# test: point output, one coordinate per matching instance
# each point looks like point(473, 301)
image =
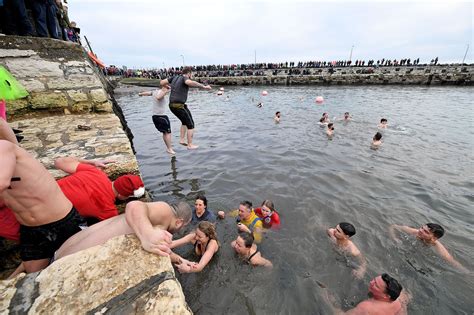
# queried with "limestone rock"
point(33, 67)
point(77, 96)
point(16, 53)
point(48, 100)
point(98, 96)
point(17, 105)
point(105, 107)
point(117, 277)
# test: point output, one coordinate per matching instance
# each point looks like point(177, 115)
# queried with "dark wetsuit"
point(40, 242)
point(178, 98)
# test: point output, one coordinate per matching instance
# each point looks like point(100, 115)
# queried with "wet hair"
point(203, 198)
point(246, 203)
point(347, 228)
point(269, 204)
point(182, 211)
point(330, 126)
point(248, 238)
point(383, 120)
point(378, 136)
point(187, 70)
point(393, 287)
point(277, 113)
point(209, 229)
point(346, 113)
point(436, 229)
point(321, 120)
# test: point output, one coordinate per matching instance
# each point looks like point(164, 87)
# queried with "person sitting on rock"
point(204, 240)
point(47, 218)
point(246, 248)
point(152, 222)
point(91, 192)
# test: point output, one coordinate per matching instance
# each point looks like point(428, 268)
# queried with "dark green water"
point(422, 173)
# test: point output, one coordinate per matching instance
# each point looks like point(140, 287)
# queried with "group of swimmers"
point(41, 207)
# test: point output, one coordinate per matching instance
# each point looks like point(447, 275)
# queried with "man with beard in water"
point(429, 235)
point(152, 222)
point(386, 298)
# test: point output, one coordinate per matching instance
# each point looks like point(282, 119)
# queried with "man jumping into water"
point(161, 121)
point(179, 94)
point(429, 234)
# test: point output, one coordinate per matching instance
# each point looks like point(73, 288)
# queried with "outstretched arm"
point(69, 164)
point(147, 93)
point(143, 218)
point(402, 228)
point(443, 252)
point(192, 83)
point(182, 241)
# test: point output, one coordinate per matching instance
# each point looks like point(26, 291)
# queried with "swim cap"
point(129, 185)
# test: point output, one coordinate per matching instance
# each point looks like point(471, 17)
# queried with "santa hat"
point(129, 186)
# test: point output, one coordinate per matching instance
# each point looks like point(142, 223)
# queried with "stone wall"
point(405, 75)
point(57, 74)
point(118, 277)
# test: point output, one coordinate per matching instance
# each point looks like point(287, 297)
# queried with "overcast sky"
point(146, 33)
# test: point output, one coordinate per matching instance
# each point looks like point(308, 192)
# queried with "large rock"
point(118, 277)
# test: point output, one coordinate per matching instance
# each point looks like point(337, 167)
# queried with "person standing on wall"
point(179, 94)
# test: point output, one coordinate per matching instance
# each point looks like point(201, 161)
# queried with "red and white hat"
point(130, 186)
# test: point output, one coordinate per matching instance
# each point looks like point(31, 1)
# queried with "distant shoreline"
point(457, 75)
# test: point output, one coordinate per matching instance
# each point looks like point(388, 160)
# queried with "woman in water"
point(200, 212)
point(205, 244)
point(268, 214)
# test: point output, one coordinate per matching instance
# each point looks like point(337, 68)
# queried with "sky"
point(157, 34)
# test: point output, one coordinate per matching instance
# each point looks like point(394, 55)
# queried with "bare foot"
point(170, 151)
point(192, 147)
point(182, 142)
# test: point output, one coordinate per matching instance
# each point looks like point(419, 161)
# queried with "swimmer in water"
point(330, 130)
point(429, 234)
point(347, 116)
point(277, 117)
point(246, 248)
point(387, 298)
point(383, 123)
point(340, 235)
point(377, 140)
point(260, 105)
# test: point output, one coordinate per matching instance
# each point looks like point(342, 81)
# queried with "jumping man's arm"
point(192, 83)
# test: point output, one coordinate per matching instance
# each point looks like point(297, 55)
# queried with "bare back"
point(34, 196)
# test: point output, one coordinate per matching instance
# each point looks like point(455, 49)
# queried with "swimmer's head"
point(346, 115)
point(385, 288)
point(247, 239)
point(377, 136)
point(331, 126)
point(383, 121)
point(347, 228)
point(277, 114)
point(206, 231)
point(321, 120)
point(430, 232)
point(267, 207)
point(245, 208)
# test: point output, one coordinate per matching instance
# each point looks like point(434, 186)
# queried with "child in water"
point(330, 130)
point(383, 123)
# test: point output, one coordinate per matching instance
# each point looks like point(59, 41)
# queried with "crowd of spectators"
point(41, 18)
point(262, 69)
